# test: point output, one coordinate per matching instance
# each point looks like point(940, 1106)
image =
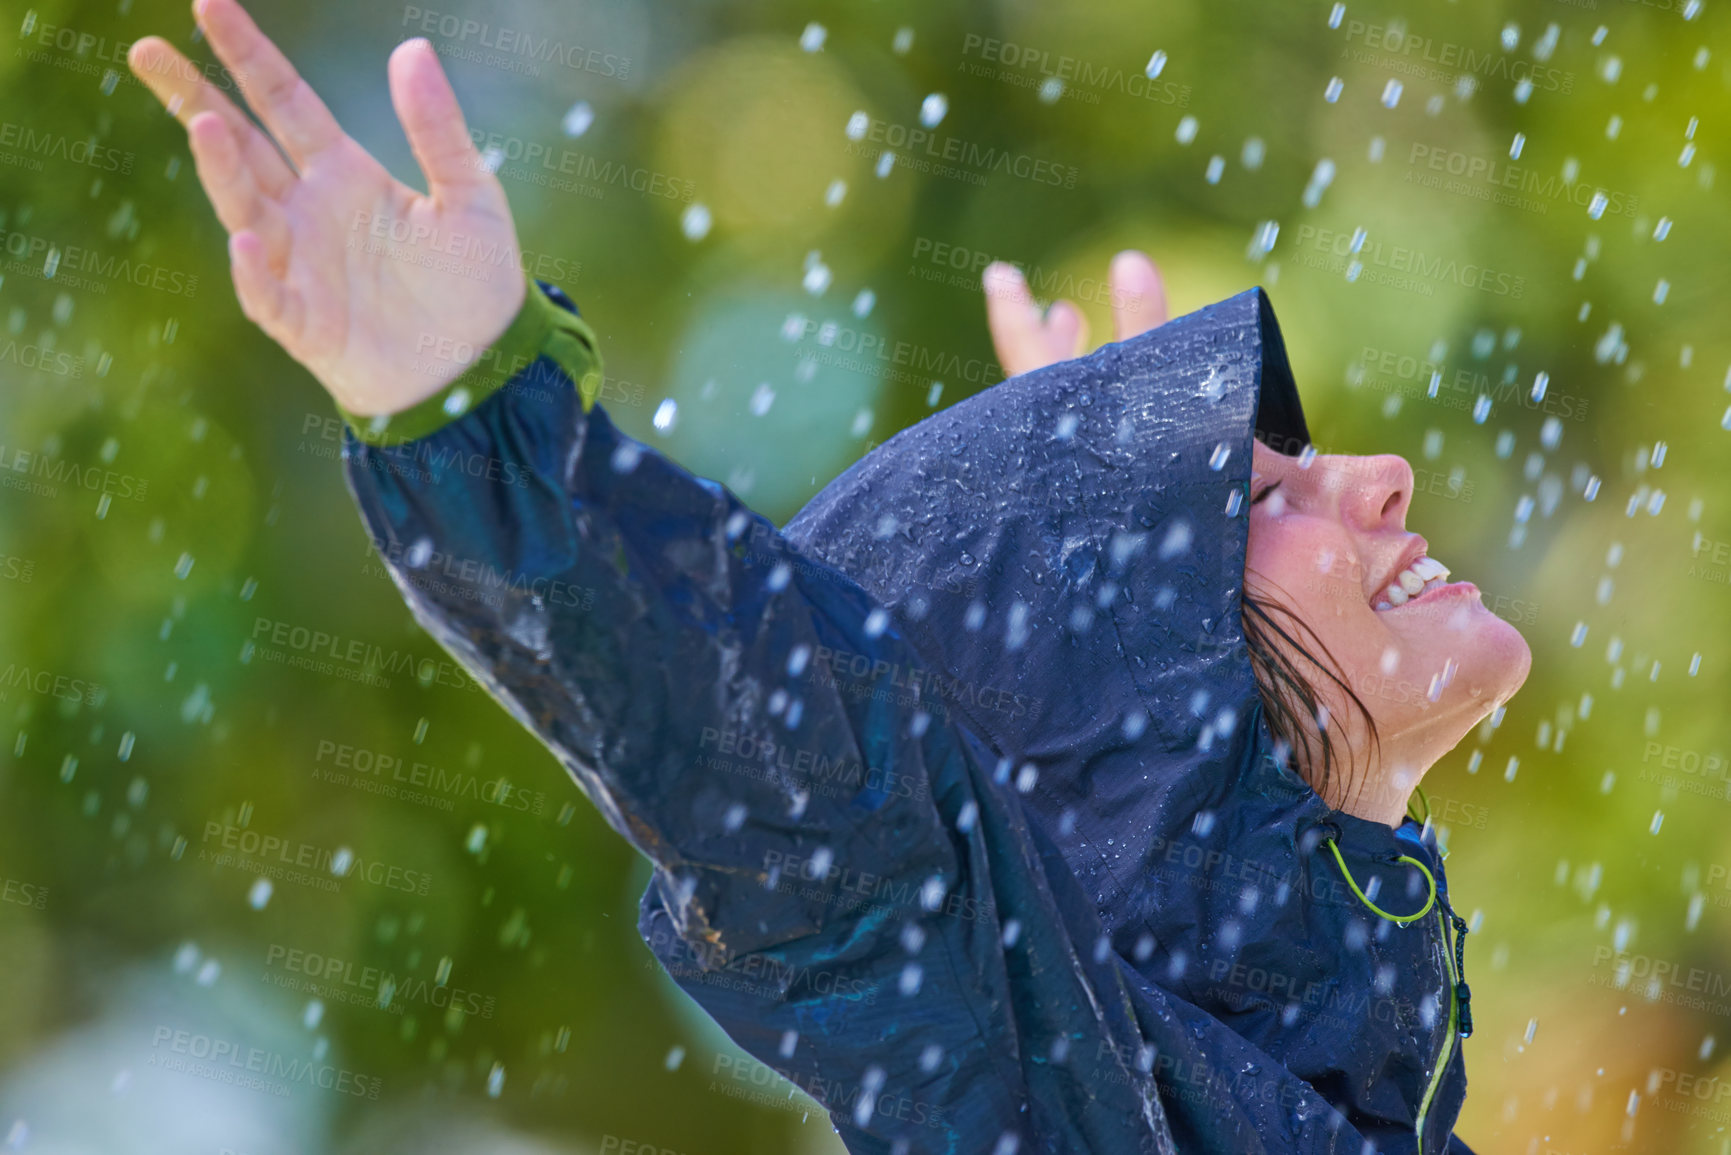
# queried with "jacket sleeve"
point(813, 834)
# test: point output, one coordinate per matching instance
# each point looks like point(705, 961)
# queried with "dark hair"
point(1289, 699)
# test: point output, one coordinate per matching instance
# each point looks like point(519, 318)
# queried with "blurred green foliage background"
point(200, 656)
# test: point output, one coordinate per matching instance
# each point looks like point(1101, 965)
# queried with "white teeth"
point(1429, 567)
point(1422, 576)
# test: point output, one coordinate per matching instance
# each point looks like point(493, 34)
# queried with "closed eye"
point(1265, 492)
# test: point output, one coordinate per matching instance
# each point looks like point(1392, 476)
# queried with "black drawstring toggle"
point(1463, 993)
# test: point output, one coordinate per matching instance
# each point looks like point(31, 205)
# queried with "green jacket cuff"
point(542, 328)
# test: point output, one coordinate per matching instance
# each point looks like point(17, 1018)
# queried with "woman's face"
point(1329, 540)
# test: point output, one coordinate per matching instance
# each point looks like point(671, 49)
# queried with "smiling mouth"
point(1423, 576)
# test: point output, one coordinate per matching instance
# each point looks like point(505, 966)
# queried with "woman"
point(1038, 788)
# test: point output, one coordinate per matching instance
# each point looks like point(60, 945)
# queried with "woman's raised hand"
point(1025, 340)
point(376, 288)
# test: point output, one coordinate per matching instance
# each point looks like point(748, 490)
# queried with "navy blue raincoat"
point(964, 813)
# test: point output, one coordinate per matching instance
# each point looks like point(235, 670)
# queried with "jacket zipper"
point(1451, 949)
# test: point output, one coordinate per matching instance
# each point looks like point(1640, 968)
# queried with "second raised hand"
point(356, 275)
point(1025, 339)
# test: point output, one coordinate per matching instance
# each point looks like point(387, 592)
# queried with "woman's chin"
point(1495, 661)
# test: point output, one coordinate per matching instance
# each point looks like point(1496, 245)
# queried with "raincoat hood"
point(1067, 548)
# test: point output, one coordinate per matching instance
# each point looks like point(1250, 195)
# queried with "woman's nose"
point(1375, 491)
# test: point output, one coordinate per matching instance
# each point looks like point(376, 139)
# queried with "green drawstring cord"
point(1463, 994)
point(1421, 819)
point(1397, 919)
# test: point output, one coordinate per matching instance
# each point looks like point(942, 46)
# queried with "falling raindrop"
point(811, 40)
point(1320, 178)
point(695, 221)
point(933, 108)
point(578, 119)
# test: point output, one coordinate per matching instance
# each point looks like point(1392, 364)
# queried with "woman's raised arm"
point(690, 670)
point(326, 248)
